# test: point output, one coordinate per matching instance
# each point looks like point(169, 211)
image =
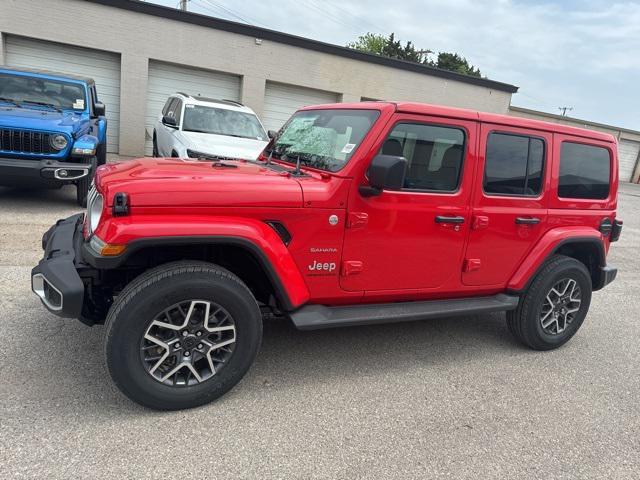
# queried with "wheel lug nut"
point(199, 346)
point(198, 334)
point(177, 345)
point(185, 333)
point(187, 353)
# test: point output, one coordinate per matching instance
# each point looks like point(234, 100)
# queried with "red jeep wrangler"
point(353, 214)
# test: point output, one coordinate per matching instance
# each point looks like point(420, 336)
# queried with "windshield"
point(198, 118)
point(31, 91)
point(324, 139)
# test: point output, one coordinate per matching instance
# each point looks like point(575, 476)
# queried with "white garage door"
point(166, 79)
point(103, 67)
point(627, 156)
point(280, 101)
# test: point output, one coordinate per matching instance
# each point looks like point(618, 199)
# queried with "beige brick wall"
point(139, 37)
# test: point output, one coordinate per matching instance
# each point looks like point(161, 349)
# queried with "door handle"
point(445, 219)
point(527, 221)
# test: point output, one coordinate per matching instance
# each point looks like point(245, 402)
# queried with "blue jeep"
point(52, 130)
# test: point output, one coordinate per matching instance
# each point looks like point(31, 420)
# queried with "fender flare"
point(547, 246)
point(256, 237)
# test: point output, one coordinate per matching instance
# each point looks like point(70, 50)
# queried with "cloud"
point(583, 54)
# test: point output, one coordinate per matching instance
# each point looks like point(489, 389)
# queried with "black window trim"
point(178, 111)
point(543, 170)
point(167, 104)
point(585, 142)
point(465, 142)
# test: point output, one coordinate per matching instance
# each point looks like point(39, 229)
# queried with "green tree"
point(388, 46)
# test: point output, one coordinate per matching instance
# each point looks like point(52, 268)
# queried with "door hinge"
point(471, 265)
point(351, 267)
point(479, 222)
point(357, 219)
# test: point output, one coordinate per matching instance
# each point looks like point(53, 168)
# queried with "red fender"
point(137, 231)
point(550, 242)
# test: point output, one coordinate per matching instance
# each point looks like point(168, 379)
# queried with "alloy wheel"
point(188, 343)
point(560, 306)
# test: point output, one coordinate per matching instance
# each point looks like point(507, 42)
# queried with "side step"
point(313, 317)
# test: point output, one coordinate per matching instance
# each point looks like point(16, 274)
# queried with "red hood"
point(173, 182)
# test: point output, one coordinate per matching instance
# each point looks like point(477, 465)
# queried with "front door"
point(510, 204)
point(413, 239)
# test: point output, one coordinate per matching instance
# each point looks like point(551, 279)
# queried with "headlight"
point(59, 142)
point(95, 212)
point(83, 151)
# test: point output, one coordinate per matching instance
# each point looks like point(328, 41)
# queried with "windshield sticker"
point(78, 104)
point(189, 106)
point(348, 148)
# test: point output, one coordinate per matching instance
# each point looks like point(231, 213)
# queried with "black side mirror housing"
point(272, 133)
point(169, 121)
point(99, 109)
point(386, 172)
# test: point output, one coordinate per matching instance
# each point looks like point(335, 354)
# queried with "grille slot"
point(23, 141)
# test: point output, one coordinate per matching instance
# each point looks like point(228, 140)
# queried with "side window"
point(434, 155)
point(165, 109)
point(177, 109)
point(585, 171)
point(513, 165)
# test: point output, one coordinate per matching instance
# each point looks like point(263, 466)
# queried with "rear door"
point(509, 213)
point(413, 239)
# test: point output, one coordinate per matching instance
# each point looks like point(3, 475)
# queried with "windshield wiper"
point(10, 100)
point(43, 104)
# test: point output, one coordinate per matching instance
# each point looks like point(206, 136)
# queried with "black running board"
point(312, 317)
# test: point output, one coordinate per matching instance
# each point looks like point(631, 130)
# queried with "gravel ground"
point(446, 398)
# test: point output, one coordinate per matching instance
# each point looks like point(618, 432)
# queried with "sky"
point(579, 54)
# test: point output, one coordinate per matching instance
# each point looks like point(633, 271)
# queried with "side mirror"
point(386, 172)
point(272, 133)
point(99, 109)
point(169, 121)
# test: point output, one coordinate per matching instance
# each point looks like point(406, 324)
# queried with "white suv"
point(199, 127)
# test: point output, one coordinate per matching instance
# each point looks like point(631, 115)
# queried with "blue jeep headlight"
point(59, 142)
point(85, 146)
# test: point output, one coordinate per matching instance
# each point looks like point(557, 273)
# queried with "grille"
point(21, 141)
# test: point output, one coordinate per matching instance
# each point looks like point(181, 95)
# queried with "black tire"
point(525, 323)
point(83, 185)
point(148, 295)
point(101, 154)
point(155, 152)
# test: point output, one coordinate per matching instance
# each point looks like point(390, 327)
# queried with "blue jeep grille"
point(21, 141)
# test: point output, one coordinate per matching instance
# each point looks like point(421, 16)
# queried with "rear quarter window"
point(585, 171)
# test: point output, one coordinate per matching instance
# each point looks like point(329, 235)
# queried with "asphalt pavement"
point(455, 397)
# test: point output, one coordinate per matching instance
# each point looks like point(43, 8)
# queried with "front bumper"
point(46, 172)
point(607, 274)
point(56, 279)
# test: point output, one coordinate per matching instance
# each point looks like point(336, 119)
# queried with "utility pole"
point(564, 110)
point(183, 5)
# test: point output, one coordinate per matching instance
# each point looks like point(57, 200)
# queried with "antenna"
point(297, 172)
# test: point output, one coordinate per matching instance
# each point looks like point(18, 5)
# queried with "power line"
point(359, 19)
point(326, 14)
point(230, 12)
